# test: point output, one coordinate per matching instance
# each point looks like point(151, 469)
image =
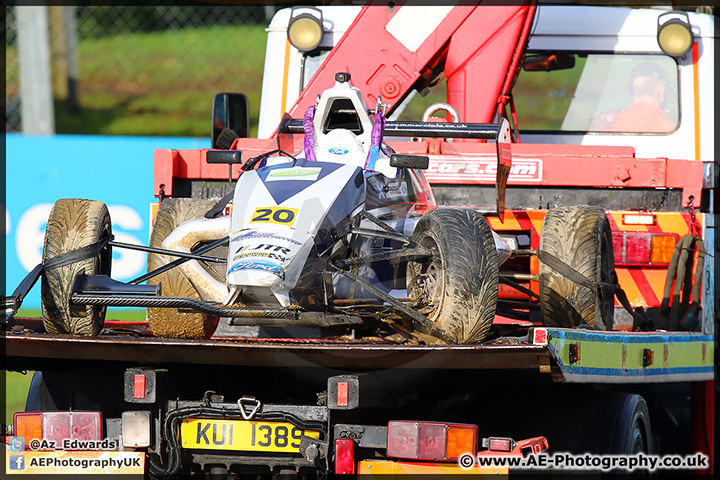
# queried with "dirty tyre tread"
point(579, 236)
point(169, 322)
point(73, 224)
point(467, 252)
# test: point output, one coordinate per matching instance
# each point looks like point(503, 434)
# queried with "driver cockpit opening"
point(342, 114)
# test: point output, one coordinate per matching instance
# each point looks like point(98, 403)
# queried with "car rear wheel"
point(73, 224)
point(169, 322)
point(457, 286)
point(580, 236)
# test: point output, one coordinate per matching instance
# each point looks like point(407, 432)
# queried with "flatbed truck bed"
point(27, 347)
point(572, 355)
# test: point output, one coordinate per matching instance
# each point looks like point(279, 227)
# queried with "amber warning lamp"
point(305, 29)
point(675, 35)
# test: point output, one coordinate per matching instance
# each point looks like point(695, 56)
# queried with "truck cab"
point(574, 101)
point(609, 46)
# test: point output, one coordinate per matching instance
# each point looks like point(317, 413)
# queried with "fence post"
point(38, 114)
point(71, 30)
point(58, 52)
point(63, 55)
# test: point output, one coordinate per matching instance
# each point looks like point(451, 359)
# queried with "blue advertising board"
point(114, 170)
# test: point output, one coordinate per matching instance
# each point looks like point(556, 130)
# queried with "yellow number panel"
point(242, 435)
point(279, 215)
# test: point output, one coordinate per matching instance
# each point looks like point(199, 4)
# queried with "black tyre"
point(39, 398)
point(631, 431)
point(73, 224)
point(579, 236)
point(169, 322)
point(456, 287)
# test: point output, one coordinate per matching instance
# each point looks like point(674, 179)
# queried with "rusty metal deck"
point(27, 348)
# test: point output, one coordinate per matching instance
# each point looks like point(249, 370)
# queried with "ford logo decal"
point(338, 151)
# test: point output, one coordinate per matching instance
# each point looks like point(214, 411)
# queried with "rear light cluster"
point(643, 248)
point(57, 426)
point(430, 441)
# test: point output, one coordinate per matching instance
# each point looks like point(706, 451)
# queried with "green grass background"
point(159, 83)
point(162, 83)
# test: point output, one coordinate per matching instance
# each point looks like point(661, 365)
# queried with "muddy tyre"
point(457, 286)
point(579, 236)
point(73, 224)
point(169, 322)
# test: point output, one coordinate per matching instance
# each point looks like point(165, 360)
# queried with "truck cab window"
point(600, 93)
point(311, 63)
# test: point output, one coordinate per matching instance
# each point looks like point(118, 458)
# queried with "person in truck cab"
point(648, 84)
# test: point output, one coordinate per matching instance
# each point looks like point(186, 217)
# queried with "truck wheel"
point(73, 224)
point(39, 398)
point(456, 287)
point(169, 322)
point(579, 236)
point(631, 431)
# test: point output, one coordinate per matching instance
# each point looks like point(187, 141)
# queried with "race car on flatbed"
point(325, 240)
point(433, 339)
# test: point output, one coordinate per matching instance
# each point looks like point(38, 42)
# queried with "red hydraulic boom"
point(390, 50)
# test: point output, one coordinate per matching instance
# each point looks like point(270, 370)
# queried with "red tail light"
point(343, 391)
point(139, 386)
point(499, 444)
point(344, 456)
point(643, 248)
point(539, 336)
point(430, 441)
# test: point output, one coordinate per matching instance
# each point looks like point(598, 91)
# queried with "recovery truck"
point(195, 390)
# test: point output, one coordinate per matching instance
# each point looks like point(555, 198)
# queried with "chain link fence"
point(137, 70)
point(13, 118)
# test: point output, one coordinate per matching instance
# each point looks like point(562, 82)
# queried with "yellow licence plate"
point(242, 435)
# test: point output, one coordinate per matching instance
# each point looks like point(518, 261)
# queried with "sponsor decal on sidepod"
point(259, 265)
point(296, 173)
point(257, 234)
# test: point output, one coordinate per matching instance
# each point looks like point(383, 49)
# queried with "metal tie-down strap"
point(181, 302)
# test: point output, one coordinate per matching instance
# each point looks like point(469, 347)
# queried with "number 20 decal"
point(281, 216)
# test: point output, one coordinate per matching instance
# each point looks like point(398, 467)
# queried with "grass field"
point(160, 83)
point(17, 384)
point(16, 388)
